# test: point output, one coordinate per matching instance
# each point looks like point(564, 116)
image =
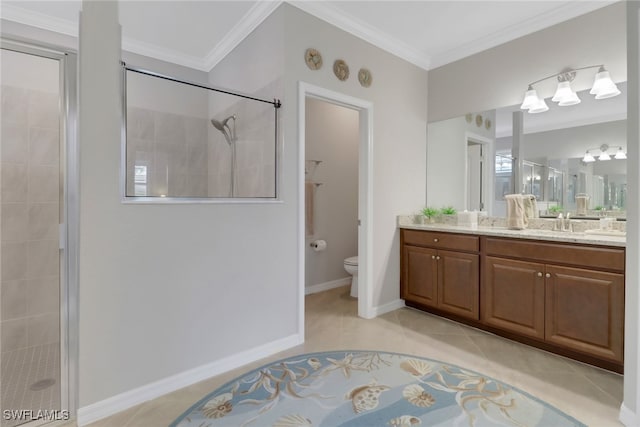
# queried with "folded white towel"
point(515, 211)
point(530, 207)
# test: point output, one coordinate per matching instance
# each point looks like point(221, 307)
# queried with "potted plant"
point(430, 214)
point(555, 209)
point(448, 210)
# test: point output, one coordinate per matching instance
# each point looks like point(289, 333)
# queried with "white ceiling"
point(198, 34)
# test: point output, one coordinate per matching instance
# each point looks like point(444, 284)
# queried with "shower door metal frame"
point(69, 229)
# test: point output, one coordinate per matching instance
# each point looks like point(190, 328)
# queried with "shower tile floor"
point(26, 380)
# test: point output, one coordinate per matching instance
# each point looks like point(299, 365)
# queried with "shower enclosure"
point(38, 108)
point(188, 141)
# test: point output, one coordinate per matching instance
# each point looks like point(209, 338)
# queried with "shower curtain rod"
point(276, 102)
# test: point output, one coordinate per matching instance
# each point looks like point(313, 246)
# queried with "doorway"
point(364, 193)
point(331, 195)
point(38, 279)
point(479, 171)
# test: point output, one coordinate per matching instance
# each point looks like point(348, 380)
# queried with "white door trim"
point(488, 174)
point(365, 194)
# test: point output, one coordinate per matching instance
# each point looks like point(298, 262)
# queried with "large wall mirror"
point(562, 158)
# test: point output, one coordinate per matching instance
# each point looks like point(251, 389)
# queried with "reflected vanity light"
point(604, 155)
point(603, 88)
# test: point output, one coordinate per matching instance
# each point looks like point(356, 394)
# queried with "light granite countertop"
point(531, 234)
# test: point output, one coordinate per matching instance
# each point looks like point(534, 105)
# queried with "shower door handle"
point(62, 236)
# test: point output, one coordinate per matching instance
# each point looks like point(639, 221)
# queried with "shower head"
point(218, 125)
point(223, 126)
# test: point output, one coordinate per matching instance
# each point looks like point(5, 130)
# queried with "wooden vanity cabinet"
point(442, 271)
point(566, 298)
point(584, 311)
point(513, 296)
point(578, 306)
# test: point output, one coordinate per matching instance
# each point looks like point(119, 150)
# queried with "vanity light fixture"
point(603, 88)
point(620, 155)
point(604, 155)
point(588, 158)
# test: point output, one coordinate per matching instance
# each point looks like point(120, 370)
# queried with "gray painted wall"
point(160, 285)
point(630, 411)
point(399, 97)
point(157, 280)
point(499, 76)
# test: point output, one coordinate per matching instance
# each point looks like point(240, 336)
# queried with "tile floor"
point(589, 394)
point(30, 379)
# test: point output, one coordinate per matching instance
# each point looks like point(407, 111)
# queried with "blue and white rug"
point(368, 388)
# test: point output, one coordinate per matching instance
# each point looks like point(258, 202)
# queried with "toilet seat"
point(351, 261)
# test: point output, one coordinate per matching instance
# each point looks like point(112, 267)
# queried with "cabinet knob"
point(435, 240)
point(433, 257)
point(547, 275)
point(438, 257)
point(539, 274)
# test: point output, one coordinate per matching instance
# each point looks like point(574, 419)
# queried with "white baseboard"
point(390, 306)
point(628, 417)
point(314, 289)
point(112, 405)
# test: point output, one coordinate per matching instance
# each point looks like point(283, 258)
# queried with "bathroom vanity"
point(562, 292)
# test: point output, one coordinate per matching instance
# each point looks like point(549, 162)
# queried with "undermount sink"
point(606, 232)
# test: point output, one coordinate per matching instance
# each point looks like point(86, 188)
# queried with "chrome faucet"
point(559, 224)
point(567, 225)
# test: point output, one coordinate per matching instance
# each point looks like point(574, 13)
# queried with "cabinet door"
point(420, 275)
point(585, 311)
point(458, 283)
point(513, 296)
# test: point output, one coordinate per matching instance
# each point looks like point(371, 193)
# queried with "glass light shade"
point(603, 86)
point(571, 99)
point(620, 155)
point(565, 95)
point(604, 156)
point(588, 158)
point(539, 107)
point(608, 92)
point(530, 99)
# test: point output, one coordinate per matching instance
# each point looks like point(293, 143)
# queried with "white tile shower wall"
point(172, 147)
point(255, 149)
point(29, 286)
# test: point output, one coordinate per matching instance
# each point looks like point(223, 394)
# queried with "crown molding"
point(38, 20)
point(260, 11)
point(512, 32)
point(163, 54)
point(254, 17)
point(334, 16)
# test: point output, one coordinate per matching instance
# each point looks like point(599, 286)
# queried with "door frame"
point(365, 194)
point(488, 169)
point(69, 229)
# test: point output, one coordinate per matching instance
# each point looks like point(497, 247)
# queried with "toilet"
point(351, 266)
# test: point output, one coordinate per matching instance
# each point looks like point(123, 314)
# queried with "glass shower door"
point(31, 211)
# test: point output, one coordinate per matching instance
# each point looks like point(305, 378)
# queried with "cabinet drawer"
point(434, 239)
point(557, 253)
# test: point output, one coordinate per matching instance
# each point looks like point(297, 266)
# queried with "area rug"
point(368, 388)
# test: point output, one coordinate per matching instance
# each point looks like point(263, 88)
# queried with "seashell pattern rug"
point(368, 388)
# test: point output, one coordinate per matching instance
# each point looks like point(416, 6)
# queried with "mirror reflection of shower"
point(229, 132)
